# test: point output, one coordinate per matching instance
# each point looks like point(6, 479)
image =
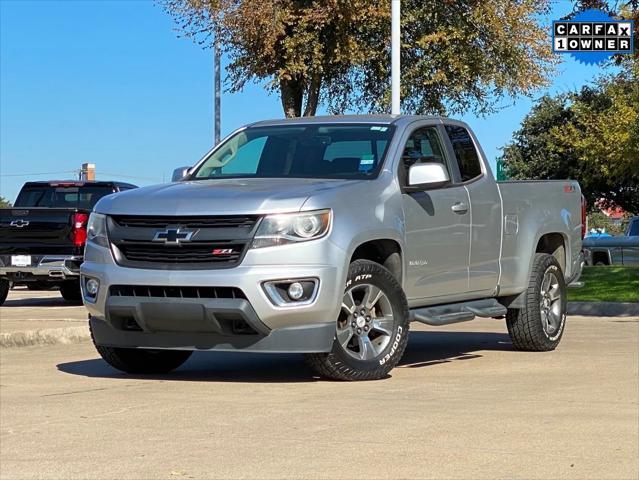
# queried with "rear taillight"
point(80, 229)
point(583, 217)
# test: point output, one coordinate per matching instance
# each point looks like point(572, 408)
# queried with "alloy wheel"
point(550, 303)
point(366, 322)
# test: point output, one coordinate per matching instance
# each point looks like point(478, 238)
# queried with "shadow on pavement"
point(57, 301)
point(212, 367)
point(424, 349)
point(434, 347)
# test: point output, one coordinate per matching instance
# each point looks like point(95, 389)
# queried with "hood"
point(220, 196)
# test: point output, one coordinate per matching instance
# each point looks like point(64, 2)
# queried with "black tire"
point(526, 326)
point(142, 361)
point(5, 286)
point(340, 365)
point(70, 291)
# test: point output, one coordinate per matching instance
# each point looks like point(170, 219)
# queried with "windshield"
point(306, 151)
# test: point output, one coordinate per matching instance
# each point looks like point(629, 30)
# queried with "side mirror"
point(424, 175)
point(180, 173)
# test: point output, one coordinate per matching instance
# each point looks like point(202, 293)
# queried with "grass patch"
point(607, 284)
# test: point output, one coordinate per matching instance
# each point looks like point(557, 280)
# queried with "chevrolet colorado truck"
point(42, 236)
point(328, 236)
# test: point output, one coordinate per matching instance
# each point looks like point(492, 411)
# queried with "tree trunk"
point(312, 98)
point(292, 93)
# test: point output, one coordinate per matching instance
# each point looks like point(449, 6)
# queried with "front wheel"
point(142, 361)
point(539, 325)
point(371, 329)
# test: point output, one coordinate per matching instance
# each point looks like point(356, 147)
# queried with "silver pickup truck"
point(327, 236)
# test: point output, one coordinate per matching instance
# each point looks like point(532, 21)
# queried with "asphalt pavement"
point(462, 405)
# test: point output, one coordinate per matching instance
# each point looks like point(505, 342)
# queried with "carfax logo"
point(593, 36)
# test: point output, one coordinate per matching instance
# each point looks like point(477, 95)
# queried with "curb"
point(604, 309)
point(47, 336)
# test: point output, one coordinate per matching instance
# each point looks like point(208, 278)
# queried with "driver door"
point(437, 222)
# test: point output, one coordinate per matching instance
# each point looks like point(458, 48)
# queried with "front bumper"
point(209, 323)
point(43, 267)
point(302, 339)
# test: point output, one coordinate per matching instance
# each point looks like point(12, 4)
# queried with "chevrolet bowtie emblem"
point(174, 236)
point(19, 223)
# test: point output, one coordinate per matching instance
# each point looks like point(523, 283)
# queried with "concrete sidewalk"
point(41, 318)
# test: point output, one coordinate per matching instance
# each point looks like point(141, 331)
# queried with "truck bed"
point(526, 205)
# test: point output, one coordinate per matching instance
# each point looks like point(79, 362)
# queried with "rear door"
point(437, 224)
point(484, 209)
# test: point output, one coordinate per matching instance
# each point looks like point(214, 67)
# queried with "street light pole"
point(395, 56)
point(216, 55)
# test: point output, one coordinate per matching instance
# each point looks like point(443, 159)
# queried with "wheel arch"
point(552, 243)
point(557, 245)
point(385, 251)
point(602, 255)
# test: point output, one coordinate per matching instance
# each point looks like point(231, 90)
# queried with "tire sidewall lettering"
point(394, 346)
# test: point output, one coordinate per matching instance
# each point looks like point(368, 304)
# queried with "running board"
point(458, 312)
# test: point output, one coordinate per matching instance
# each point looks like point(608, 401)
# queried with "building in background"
point(87, 172)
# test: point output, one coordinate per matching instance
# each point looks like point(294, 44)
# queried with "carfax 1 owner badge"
point(593, 36)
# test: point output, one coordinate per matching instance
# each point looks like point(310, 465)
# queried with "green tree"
point(4, 203)
point(591, 136)
point(456, 55)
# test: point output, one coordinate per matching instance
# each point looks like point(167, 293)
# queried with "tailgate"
point(36, 231)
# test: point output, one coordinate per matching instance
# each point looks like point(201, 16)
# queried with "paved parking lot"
point(27, 310)
point(461, 405)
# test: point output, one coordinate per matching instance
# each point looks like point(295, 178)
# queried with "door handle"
point(459, 207)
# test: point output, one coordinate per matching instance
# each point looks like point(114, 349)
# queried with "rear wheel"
point(371, 329)
point(70, 291)
point(4, 289)
point(137, 360)
point(539, 325)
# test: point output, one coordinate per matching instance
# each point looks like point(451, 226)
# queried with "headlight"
point(292, 228)
point(96, 230)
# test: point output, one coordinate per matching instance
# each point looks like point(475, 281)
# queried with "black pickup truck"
point(42, 236)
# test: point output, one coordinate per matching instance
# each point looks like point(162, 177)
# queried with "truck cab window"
point(422, 146)
point(33, 197)
point(465, 152)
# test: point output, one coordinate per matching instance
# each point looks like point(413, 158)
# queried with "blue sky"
point(110, 82)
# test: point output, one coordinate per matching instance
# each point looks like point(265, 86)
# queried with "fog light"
point(296, 290)
point(292, 292)
point(92, 287)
